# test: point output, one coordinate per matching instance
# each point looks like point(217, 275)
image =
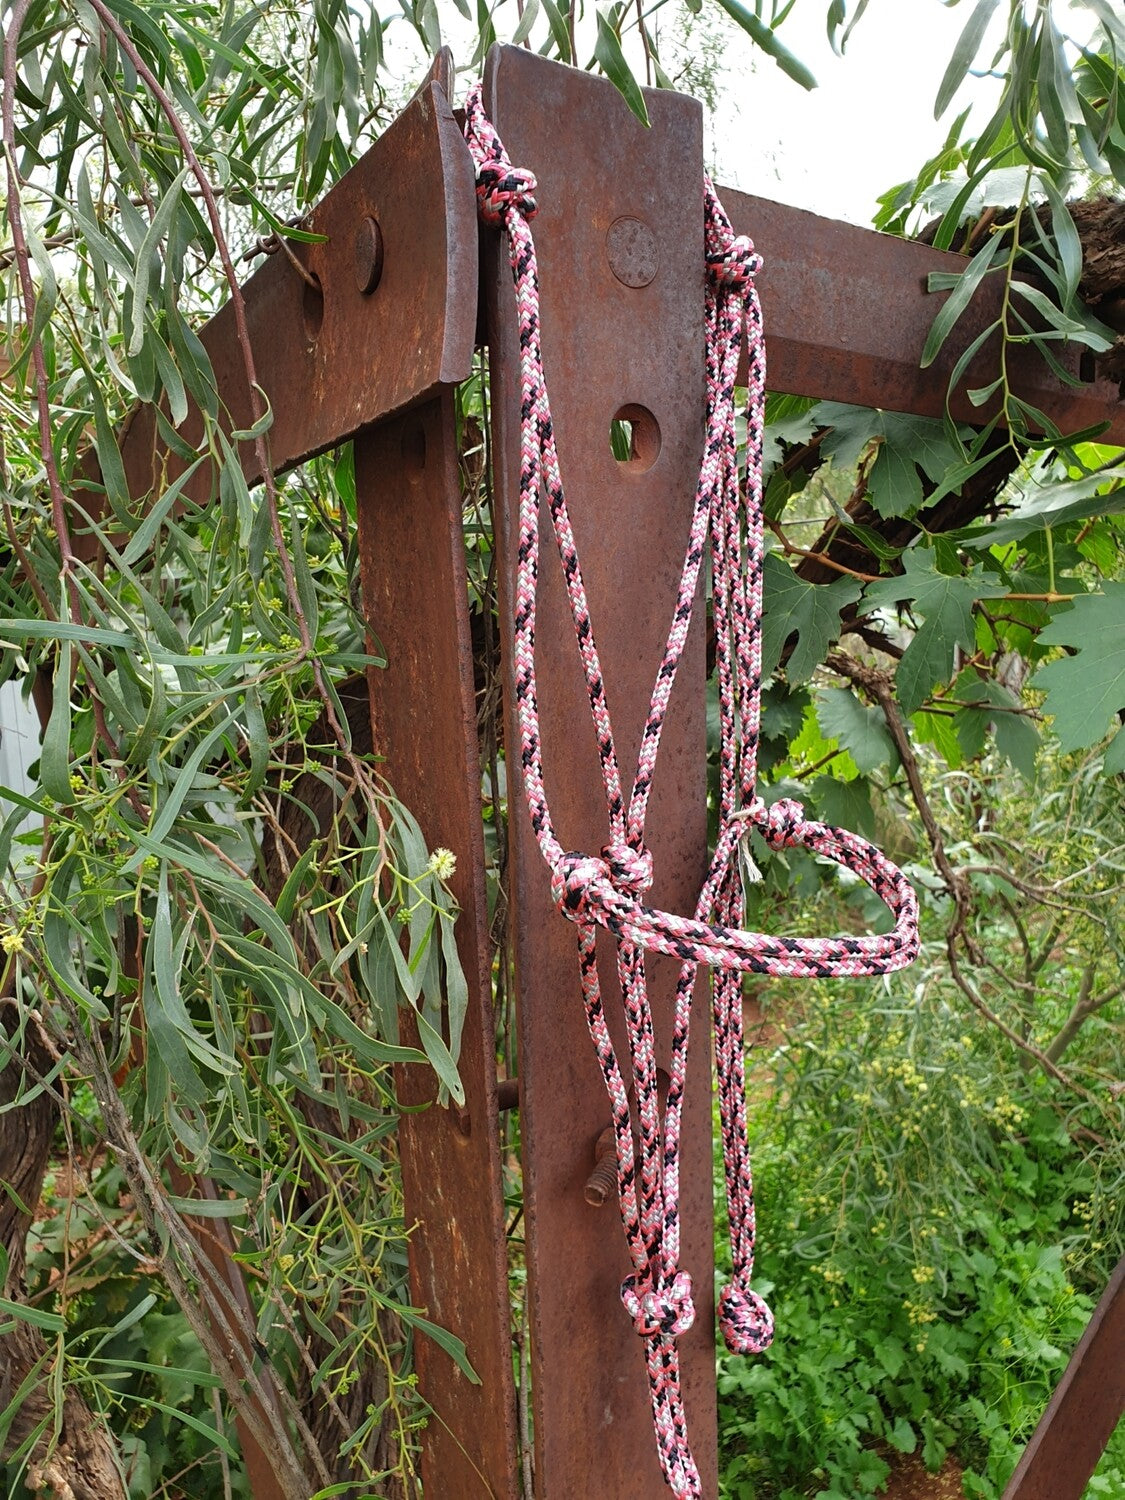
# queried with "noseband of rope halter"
point(608, 889)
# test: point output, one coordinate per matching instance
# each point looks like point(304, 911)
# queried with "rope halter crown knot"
point(502, 188)
point(734, 263)
point(665, 1312)
point(625, 870)
point(781, 824)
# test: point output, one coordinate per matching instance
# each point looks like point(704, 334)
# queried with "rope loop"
point(745, 1320)
point(734, 266)
point(664, 1312)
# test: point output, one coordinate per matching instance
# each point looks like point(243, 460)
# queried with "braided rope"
point(607, 890)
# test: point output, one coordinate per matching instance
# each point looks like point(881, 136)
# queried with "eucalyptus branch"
point(257, 405)
point(1086, 1005)
point(1029, 1048)
point(216, 1320)
point(30, 302)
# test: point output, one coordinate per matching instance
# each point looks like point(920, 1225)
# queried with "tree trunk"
point(73, 1459)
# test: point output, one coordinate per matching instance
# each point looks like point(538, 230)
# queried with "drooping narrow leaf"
point(968, 45)
point(611, 60)
point(149, 254)
point(769, 42)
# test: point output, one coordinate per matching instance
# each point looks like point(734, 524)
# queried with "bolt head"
point(368, 255)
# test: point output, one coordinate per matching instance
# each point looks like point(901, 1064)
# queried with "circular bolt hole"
point(414, 450)
point(634, 438)
point(368, 255)
point(312, 305)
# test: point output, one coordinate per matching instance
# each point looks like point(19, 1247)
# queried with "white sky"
point(869, 124)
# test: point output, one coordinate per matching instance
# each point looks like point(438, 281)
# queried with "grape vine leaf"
point(906, 444)
point(811, 611)
point(1086, 690)
point(984, 703)
point(945, 601)
point(845, 804)
point(860, 730)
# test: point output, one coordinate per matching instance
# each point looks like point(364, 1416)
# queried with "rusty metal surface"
point(1087, 1405)
point(847, 313)
point(333, 365)
point(622, 317)
point(424, 719)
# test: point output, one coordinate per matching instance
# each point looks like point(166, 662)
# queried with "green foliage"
point(935, 1219)
point(228, 909)
point(945, 604)
point(810, 611)
point(905, 448)
point(1086, 690)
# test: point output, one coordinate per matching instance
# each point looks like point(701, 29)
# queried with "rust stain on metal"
point(607, 346)
point(847, 313)
point(424, 718)
point(1087, 1405)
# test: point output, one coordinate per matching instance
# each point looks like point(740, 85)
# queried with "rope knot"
point(735, 264)
point(629, 869)
point(669, 1311)
point(745, 1320)
point(781, 824)
point(571, 882)
point(502, 188)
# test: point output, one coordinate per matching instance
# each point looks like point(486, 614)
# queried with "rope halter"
point(607, 891)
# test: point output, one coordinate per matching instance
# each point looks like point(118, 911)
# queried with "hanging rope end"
point(745, 1320)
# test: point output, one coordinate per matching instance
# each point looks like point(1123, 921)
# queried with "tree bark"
point(80, 1464)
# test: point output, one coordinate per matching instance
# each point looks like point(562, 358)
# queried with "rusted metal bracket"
point(333, 362)
point(847, 312)
point(619, 236)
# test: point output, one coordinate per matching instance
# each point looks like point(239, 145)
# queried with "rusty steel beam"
point(847, 313)
point(394, 318)
point(424, 720)
point(620, 246)
point(1087, 1405)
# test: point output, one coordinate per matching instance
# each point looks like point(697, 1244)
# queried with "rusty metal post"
point(619, 236)
point(424, 718)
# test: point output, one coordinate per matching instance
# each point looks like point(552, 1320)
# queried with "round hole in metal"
point(634, 438)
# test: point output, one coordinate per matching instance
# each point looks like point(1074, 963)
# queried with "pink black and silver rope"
point(607, 890)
